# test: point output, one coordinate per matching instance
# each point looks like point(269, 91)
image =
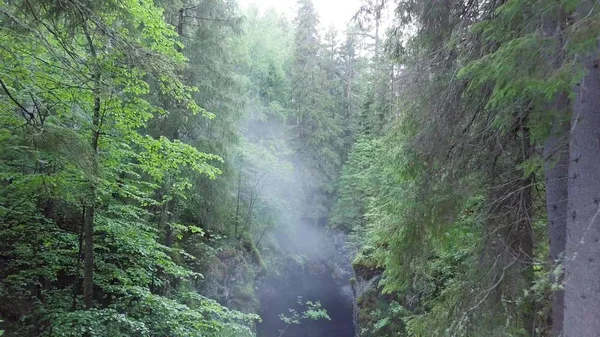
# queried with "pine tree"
point(316, 131)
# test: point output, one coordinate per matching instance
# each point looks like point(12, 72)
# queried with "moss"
point(249, 247)
point(243, 305)
point(257, 258)
point(218, 268)
point(379, 314)
point(244, 298)
point(366, 266)
point(375, 317)
point(243, 292)
point(367, 303)
point(226, 254)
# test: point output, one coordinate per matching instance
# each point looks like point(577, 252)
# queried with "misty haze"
point(299, 168)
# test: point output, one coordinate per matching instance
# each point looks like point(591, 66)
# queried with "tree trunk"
point(556, 170)
point(508, 255)
point(237, 207)
point(582, 265)
point(88, 225)
point(377, 23)
point(556, 154)
point(169, 233)
point(76, 286)
point(524, 232)
point(88, 260)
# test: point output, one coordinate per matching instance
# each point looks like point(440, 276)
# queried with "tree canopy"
point(159, 160)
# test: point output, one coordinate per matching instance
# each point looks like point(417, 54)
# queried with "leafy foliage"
point(84, 85)
point(442, 201)
point(313, 311)
point(155, 154)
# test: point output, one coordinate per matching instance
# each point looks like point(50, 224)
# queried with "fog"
point(336, 13)
point(290, 228)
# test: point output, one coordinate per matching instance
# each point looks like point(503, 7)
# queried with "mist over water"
point(316, 277)
point(312, 264)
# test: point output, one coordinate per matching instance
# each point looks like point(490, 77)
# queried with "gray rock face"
point(359, 288)
point(339, 259)
point(361, 285)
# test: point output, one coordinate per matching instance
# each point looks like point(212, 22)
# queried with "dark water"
point(318, 285)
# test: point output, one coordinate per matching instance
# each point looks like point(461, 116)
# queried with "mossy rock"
point(227, 254)
point(366, 266)
point(244, 292)
point(247, 248)
point(218, 269)
point(245, 306)
point(367, 303)
point(374, 307)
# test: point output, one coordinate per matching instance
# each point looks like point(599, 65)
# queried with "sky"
point(331, 12)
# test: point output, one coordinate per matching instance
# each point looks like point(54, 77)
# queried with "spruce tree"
point(315, 129)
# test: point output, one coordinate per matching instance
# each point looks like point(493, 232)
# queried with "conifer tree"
point(316, 132)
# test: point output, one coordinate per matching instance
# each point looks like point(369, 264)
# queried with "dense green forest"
point(194, 168)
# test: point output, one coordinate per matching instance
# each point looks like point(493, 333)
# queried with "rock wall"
point(375, 313)
point(231, 274)
point(361, 288)
point(340, 261)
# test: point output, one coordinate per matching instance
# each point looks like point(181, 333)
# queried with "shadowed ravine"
point(299, 168)
point(320, 288)
point(323, 277)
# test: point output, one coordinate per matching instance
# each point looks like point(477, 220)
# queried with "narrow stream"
point(323, 276)
point(315, 287)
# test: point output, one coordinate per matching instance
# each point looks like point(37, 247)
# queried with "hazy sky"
point(331, 12)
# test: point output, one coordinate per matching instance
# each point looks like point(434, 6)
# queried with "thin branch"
point(14, 100)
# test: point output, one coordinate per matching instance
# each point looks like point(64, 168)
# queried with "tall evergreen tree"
point(316, 132)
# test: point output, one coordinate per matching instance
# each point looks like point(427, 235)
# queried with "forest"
point(187, 168)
